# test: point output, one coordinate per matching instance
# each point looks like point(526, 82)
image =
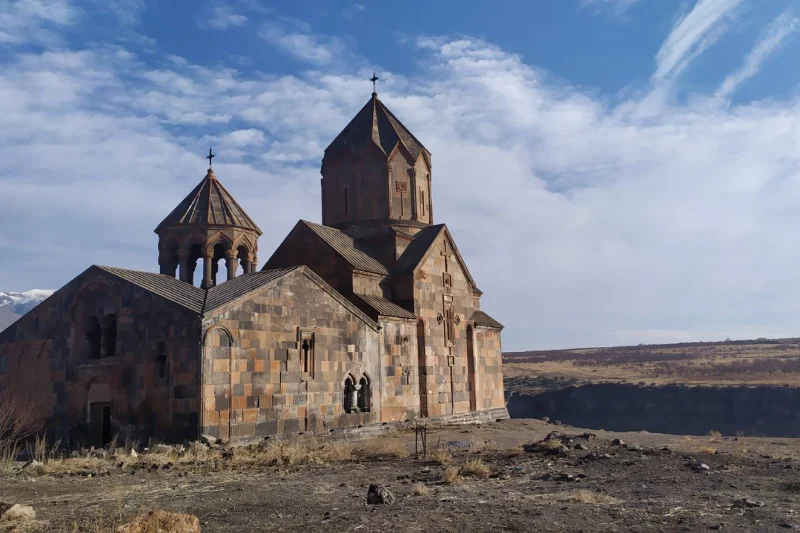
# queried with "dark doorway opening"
point(100, 424)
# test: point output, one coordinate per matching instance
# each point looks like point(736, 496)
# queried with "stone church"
point(371, 317)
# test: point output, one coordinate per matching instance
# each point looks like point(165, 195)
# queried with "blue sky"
point(614, 171)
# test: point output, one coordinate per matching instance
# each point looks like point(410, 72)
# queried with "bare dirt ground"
point(489, 479)
point(763, 362)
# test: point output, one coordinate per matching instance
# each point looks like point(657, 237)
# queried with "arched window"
point(349, 390)
point(364, 395)
point(95, 325)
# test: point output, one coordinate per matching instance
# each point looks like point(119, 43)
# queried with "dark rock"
point(618, 442)
point(378, 494)
point(580, 446)
point(743, 503)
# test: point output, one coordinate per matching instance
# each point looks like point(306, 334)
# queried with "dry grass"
point(708, 450)
point(714, 435)
point(419, 490)
point(481, 446)
point(441, 455)
point(451, 476)
point(475, 468)
point(548, 445)
point(80, 464)
point(382, 448)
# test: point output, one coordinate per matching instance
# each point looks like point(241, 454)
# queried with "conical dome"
point(375, 123)
point(209, 204)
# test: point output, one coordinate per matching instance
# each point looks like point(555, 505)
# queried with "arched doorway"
point(98, 413)
point(473, 400)
point(422, 370)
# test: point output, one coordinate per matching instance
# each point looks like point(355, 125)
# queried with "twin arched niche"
point(183, 251)
point(357, 394)
point(94, 324)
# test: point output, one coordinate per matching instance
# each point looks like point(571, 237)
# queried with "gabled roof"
point(417, 249)
point(482, 319)
point(239, 286)
point(420, 248)
point(346, 247)
point(209, 204)
point(375, 123)
point(169, 288)
point(383, 307)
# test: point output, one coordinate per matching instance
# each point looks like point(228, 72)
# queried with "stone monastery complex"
point(370, 317)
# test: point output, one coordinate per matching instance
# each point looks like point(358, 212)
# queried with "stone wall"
point(261, 385)
point(441, 287)
point(44, 358)
point(400, 371)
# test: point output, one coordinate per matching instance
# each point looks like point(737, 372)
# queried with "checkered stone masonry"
point(253, 379)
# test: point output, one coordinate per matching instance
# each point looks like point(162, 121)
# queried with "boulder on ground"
point(378, 494)
point(163, 522)
point(10, 512)
point(208, 440)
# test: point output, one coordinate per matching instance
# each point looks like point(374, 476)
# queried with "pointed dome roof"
point(209, 204)
point(376, 123)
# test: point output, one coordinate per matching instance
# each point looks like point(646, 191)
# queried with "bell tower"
point(210, 225)
point(376, 174)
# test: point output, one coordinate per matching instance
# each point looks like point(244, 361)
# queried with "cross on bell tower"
point(374, 79)
point(210, 156)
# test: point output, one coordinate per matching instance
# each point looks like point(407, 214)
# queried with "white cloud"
point(585, 223)
point(768, 43)
point(222, 16)
point(692, 35)
point(304, 45)
point(34, 21)
point(128, 12)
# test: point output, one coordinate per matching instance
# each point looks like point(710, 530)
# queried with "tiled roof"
point(384, 307)
point(167, 287)
point(195, 299)
point(239, 286)
point(345, 246)
point(375, 123)
point(209, 204)
point(417, 249)
point(482, 319)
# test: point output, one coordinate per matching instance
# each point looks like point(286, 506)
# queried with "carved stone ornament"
point(423, 275)
point(439, 318)
point(458, 320)
point(402, 186)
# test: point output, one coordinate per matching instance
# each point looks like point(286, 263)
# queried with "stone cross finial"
point(374, 79)
point(210, 156)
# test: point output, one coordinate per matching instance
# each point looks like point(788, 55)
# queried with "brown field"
point(758, 362)
point(513, 475)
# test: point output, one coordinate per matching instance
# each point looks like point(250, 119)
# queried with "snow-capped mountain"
point(15, 304)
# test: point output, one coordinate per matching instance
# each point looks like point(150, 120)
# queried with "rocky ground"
point(504, 476)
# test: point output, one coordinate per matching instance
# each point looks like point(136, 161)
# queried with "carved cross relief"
point(402, 188)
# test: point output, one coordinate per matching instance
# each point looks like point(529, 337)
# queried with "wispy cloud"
point(692, 35)
point(617, 7)
point(768, 43)
point(621, 227)
point(297, 40)
point(34, 21)
point(127, 11)
point(221, 16)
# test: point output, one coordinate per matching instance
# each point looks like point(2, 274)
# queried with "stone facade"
point(370, 318)
point(145, 370)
